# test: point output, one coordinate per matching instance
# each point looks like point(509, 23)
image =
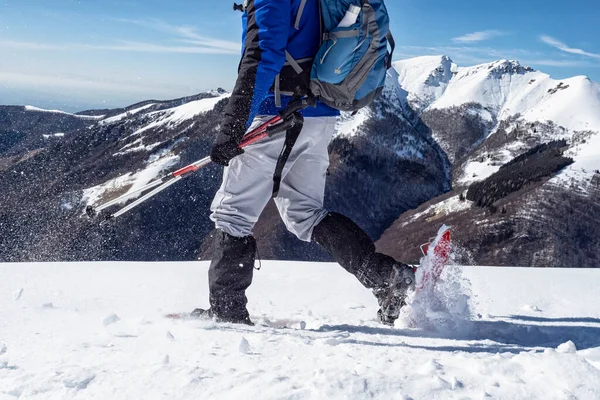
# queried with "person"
point(272, 28)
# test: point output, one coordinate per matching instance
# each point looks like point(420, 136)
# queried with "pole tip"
point(107, 219)
point(91, 211)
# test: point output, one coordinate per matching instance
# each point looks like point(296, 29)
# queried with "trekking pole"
point(277, 124)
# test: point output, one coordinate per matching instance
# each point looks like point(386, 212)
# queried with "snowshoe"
point(436, 257)
point(208, 315)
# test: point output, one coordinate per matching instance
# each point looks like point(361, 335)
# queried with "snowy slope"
point(505, 87)
point(37, 109)
point(96, 331)
point(127, 114)
point(177, 115)
point(507, 91)
point(159, 161)
point(424, 78)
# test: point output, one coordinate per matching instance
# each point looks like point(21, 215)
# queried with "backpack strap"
point(300, 12)
point(297, 68)
point(293, 63)
point(289, 59)
point(292, 124)
point(368, 18)
point(277, 90)
point(291, 136)
point(392, 42)
point(340, 34)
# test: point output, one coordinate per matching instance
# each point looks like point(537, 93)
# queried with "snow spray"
point(443, 307)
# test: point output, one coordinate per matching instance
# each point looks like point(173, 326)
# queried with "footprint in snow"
point(3, 349)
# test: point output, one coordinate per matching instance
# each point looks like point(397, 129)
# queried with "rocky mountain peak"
point(510, 67)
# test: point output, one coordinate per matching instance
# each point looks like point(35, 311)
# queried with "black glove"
point(225, 149)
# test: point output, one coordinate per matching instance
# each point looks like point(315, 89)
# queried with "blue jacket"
point(270, 28)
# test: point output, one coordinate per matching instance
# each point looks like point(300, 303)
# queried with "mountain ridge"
point(405, 142)
point(486, 116)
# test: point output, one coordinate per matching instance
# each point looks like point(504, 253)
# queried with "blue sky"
point(77, 54)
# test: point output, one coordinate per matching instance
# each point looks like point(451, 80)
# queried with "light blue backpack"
point(349, 70)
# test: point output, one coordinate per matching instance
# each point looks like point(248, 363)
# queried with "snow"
point(586, 159)
point(37, 109)
point(476, 171)
point(97, 194)
point(444, 208)
point(505, 89)
point(348, 125)
point(152, 171)
point(177, 115)
point(503, 86)
point(502, 352)
point(573, 103)
point(126, 114)
point(136, 146)
point(424, 78)
point(56, 135)
point(93, 195)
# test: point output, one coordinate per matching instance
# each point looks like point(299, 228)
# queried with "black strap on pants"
point(291, 123)
point(291, 136)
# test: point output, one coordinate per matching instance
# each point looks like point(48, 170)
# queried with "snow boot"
point(354, 250)
point(229, 276)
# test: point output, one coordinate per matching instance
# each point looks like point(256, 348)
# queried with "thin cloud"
point(15, 44)
point(563, 47)
point(123, 45)
point(182, 40)
point(143, 47)
point(478, 36)
point(36, 81)
point(471, 55)
point(185, 34)
point(559, 63)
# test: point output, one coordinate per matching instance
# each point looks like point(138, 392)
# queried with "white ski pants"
point(248, 182)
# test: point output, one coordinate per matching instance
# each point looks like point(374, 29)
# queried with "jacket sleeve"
point(267, 29)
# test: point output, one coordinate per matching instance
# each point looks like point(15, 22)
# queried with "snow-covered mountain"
point(505, 88)
point(116, 151)
point(437, 127)
point(425, 79)
point(98, 331)
point(484, 117)
point(504, 91)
